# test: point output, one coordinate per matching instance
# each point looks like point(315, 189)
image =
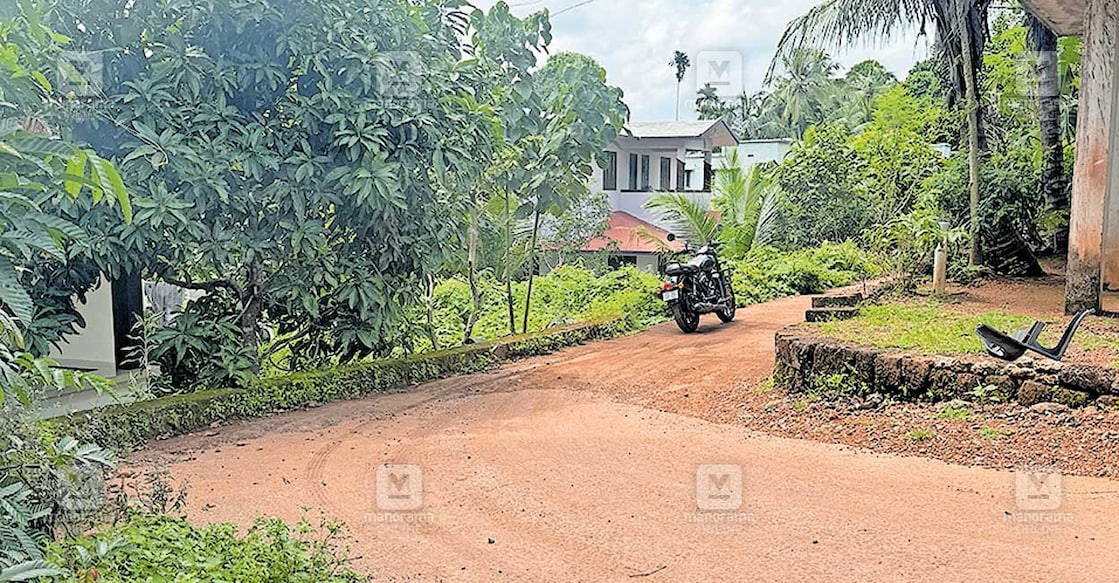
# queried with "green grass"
point(925, 327)
point(931, 327)
point(954, 413)
point(919, 435)
point(992, 433)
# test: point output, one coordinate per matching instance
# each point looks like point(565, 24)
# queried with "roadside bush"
point(129, 426)
point(566, 295)
point(766, 273)
point(166, 548)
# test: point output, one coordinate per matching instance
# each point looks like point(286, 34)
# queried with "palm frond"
point(841, 23)
point(642, 232)
point(688, 216)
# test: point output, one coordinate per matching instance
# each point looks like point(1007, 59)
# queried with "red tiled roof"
point(623, 230)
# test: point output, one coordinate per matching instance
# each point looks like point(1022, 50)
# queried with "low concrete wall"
point(809, 363)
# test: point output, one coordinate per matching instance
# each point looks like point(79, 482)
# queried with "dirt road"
point(611, 462)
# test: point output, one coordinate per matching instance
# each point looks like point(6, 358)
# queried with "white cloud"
point(634, 40)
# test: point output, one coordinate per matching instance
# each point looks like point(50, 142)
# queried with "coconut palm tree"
point(840, 23)
point(804, 87)
point(681, 62)
point(707, 103)
point(742, 212)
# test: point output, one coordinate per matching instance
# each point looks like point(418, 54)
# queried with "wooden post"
point(1091, 173)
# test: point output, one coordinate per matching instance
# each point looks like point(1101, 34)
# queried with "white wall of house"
point(757, 152)
point(94, 347)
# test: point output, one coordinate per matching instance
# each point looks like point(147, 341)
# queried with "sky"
point(635, 39)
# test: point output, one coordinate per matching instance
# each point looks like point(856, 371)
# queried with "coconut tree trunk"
point(952, 17)
point(1053, 182)
point(975, 254)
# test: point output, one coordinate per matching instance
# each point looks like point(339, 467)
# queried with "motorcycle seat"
point(680, 269)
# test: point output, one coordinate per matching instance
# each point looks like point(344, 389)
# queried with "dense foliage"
point(152, 547)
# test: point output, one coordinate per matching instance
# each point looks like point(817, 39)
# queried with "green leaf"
point(75, 167)
point(106, 172)
point(29, 571)
point(13, 295)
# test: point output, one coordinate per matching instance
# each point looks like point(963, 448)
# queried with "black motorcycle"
point(699, 286)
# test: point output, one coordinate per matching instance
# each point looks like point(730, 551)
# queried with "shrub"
point(766, 274)
point(567, 294)
point(164, 548)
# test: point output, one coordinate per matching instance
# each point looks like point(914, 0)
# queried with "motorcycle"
point(699, 286)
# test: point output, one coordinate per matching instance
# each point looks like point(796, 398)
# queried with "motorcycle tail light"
point(668, 285)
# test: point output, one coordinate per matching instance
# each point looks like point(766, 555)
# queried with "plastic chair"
point(1011, 347)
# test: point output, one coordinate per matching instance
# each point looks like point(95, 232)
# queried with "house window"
point(610, 172)
point(633, 171)
point(645, 171)
point(666, 174)
point(688, 178)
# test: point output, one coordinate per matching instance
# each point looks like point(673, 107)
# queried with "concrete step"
point(830, 314)
point(837, 301)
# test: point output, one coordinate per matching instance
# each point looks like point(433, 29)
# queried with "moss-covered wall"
point(808, 363)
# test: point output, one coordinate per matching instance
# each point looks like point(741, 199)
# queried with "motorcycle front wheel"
point(687, 321)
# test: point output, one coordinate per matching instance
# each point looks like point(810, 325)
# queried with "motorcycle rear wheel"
point(687, 321)
point(727, 315)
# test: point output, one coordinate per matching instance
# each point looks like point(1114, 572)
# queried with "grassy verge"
point(927, 328)
point(126, 427)
point(934, 328)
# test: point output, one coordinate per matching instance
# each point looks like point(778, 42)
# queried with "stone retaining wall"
point(809, 363)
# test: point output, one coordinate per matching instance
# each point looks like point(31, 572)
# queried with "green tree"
point(286, 171)
point(680, 62)
point(804, 88)
point(708, 104)
point(38, 169)
point(859, 89)
point(579, 115)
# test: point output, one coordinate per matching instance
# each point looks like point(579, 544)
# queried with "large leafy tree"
point(281, 153)
point(38, 170)
point(576, 116)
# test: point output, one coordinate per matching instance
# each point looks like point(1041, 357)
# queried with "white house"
point(648, 158)
point(653, 157)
